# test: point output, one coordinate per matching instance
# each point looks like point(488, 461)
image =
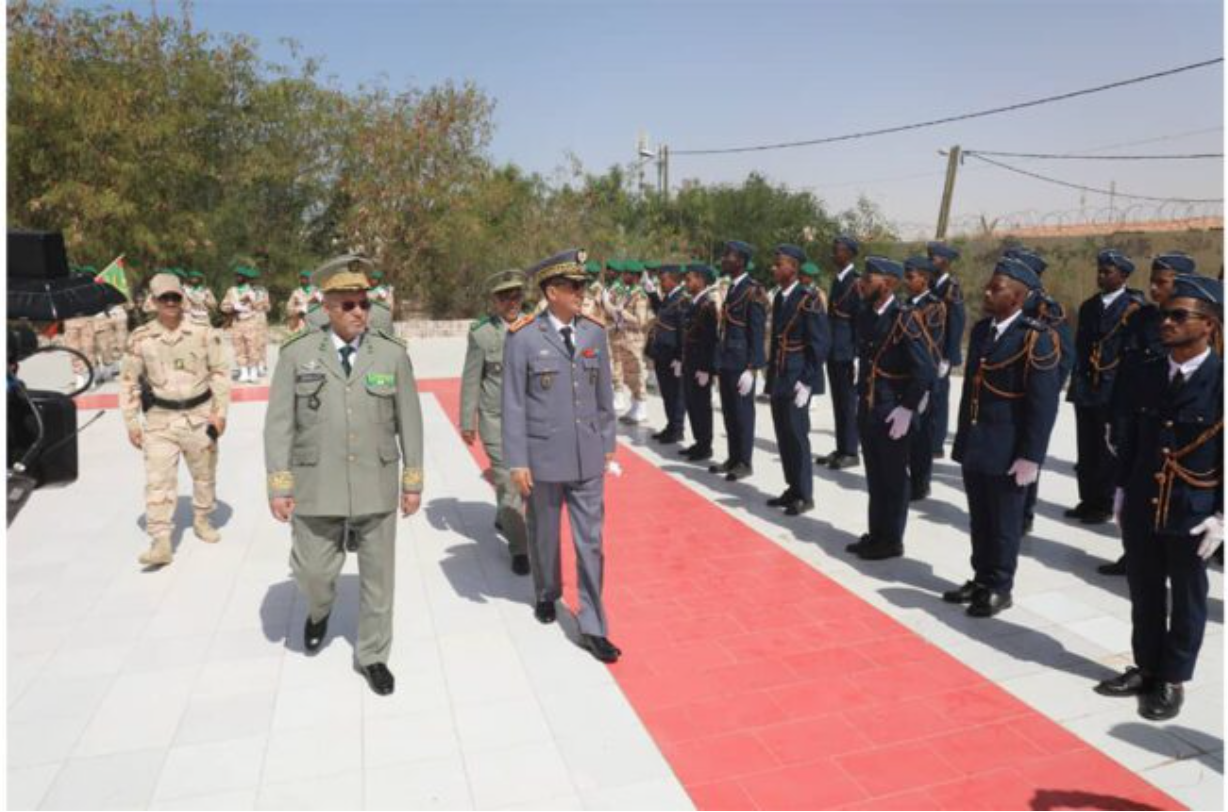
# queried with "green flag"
point(115, 276)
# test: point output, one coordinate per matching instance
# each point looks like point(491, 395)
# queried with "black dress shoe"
point(739, 471)
point(520, 564)
point(1075, 512)
point(1096, 516)
point(799, 506)
point(313, 634)
point(854, 546)
point(987, 603)
point(1027, 525)
point(378, 677)
point(720, 467)
point(499, 525)
point(875, 551)
point(842, 461)
point(1118, 567)
point(939, 454)
point(964, 594)
point(667, 437)
point(1162, 702)
point(782, 500)
point(917, 494)
point(544, 612)
point(351, 540)
point(1130, 683)
point(601, 648)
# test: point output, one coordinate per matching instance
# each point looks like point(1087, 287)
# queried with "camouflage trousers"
point(627, 350)
point(509, 503)
point(245, 336)
point(121, 338)
point(104, 341)
point(167, 436)
point(262, 340)
point(79, 335)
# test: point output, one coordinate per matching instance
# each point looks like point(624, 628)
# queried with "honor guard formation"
point(539, 386)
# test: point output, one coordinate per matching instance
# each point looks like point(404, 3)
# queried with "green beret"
point(652, 265)
point(810, 269)
point(615, 265)
point(376, 275)
point(592, 267)
point(633, 266)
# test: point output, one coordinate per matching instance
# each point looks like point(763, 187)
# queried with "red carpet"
point(769, 686)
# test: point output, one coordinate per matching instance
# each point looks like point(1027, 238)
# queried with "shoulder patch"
point(479, 322)
point(390, 337)
point(593, 318)
point(522, 322)
point(293, 337)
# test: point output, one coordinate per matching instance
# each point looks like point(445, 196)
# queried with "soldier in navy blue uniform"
point(918, 280)
point(800, 341)
point(1170, 497)
point(1043, 307)
point(844, 304)
point(665, 348)
point(895, 373)
point(947, 291)
point(1142, 345)
point(740, 353)
point(1006, 414)
point(1099, 337)
point(699, 333)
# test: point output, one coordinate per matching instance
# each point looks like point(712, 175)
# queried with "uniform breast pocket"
point(544, 374)
point(592, 370)
point(309, 399)
point(383, 397)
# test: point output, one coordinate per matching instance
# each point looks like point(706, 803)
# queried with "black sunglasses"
point(1179, 315)
point(350, 304)
point(170, 298)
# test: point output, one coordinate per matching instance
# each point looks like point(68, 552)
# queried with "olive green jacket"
point(482, 380)
point(331, 441)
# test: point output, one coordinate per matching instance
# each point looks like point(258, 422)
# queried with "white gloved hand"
point(801, 395)
point(898, 420)
point(924, 404)
point(702, 378)
point(1212, 531)
point(648, 285)
point(1119, 499)
point(613, 468)
point(746, 382)
point(1108, 440)
point(944, 369)
point(1024, 471)
point(676, 366)
point(606, 301)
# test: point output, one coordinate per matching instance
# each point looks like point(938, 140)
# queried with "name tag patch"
point(381, 379)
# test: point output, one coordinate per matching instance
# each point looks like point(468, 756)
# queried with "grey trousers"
point(586, 510)
point(509, 503)
point(316, 558)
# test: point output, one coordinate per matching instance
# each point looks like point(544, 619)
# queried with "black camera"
point(42, 425)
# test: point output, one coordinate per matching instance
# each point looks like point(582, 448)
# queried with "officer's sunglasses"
point(1179, 315)
point(350, 304)
point(170, 298)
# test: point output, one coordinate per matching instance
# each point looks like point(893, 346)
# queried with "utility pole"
point(948, 191)
point(663, 168)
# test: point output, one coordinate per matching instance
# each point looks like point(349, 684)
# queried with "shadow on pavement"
point(479, 570)
point(184, 516)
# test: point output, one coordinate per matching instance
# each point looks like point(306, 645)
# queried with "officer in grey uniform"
point(482, 404)
point(340, 402)
point(558, 438)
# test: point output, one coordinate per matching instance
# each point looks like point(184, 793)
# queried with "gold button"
point(1155, 501)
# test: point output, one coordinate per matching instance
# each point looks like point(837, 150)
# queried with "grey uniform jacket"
point(558, 412)
point(331, 441)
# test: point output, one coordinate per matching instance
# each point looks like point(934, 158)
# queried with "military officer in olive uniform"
point(800, 341)
point(174, 392)
point(1169, 500)
point(558, 439)
point(739, 356)
point(482, 405)
point(341, 401)
point(1006, 415)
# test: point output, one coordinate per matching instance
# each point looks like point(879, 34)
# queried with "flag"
point(115, 276)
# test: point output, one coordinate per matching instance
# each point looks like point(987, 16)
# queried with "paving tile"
point(344, 791)
point(524, 773)
point(115, 781)
point(440, 783)
point(198, 769)
point(26, 786)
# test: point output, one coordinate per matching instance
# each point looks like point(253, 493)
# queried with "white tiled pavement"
point(188, 689)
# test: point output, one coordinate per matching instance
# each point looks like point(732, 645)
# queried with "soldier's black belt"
point(182, 405)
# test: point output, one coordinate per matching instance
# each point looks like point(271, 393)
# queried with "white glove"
point(702, 378)
point(924, 404)
point(648, 285)
point(613, 468)
point(944, 369)
point(1108, 440)
point(1212, 531)
point(606, 301)
point(1119, 499)
point(898, 420)
point(746, 382)
point(801, 395)
point(1024, 471)
point(676, 366)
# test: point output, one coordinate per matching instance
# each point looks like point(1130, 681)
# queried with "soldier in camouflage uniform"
point(629, 313)
point(244, 301)
point(186, 369)
point(300, 299)
point(198, 299)
point(482, 409)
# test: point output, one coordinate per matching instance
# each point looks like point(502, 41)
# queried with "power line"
point(949, 119)
point(1050, 156)
point(1109, 192)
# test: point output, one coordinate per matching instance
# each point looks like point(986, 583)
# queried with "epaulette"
point(400, 342)
point(479, 322)
point(1136, 295)
point(593, 319)
point(293, 337)
point(522, 322)
point(955, 294)
point(814, 301)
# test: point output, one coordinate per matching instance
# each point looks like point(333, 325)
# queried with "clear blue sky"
point(587, 77)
